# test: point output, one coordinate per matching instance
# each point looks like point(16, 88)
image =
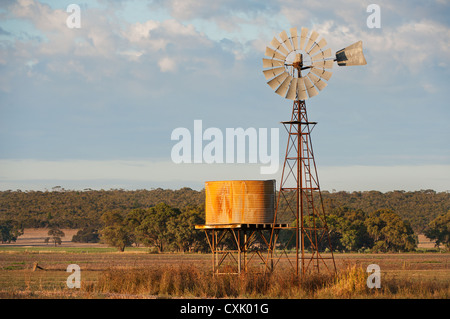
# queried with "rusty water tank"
point(240, 202)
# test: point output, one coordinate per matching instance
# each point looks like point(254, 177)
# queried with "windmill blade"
point(276, 81)
point(273, 72)
point(328, 64)
point(284, 86)
point(319, 46)
point(311, 40)
point(274, 54)
point(292, 92)
point(294, 38)
point(351, 55)
point(320, 84)
point(301, 90)
point(303, 36)
point(278, 46)
point(316, 81)
point(322, 55)
point(269, 63)
point(321, 73)
point(310, 88)
point(286, 41)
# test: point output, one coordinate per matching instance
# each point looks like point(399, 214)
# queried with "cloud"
point(102, 47)
point(157, 35)
point(397, 46)
point(141, 31)
point(429, 88)
point(98, 35)
point(4, 32)
point(205, 9)
point(237, 20)
point(132, 55)
point(408, 40)
point(41, 15)
point(167, 64)
point(414, 46)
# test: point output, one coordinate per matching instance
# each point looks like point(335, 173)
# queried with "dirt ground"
point(425, 243)
point(35, 237)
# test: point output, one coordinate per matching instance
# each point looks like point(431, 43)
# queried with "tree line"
point(165, 228)
point(165, 219)
point(380, 231)
point(80, 209)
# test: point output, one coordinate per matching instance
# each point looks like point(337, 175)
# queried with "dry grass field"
point(136, 273)
point(34, 237)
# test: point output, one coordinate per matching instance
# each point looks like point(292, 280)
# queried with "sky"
point(97, 106)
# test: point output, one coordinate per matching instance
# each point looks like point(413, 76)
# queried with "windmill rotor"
point(297, 66)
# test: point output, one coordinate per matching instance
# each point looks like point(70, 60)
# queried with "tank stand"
point(238, 248)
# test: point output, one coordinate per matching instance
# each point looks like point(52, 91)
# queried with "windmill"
point(297, 67)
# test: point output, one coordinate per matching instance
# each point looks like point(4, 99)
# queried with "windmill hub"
point(298, 62)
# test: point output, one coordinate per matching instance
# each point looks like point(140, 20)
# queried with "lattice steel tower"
point(299, 198)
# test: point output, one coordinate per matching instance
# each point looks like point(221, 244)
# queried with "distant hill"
point(76, 209)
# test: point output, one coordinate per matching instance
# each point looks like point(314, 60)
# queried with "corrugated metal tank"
point(240, 202)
